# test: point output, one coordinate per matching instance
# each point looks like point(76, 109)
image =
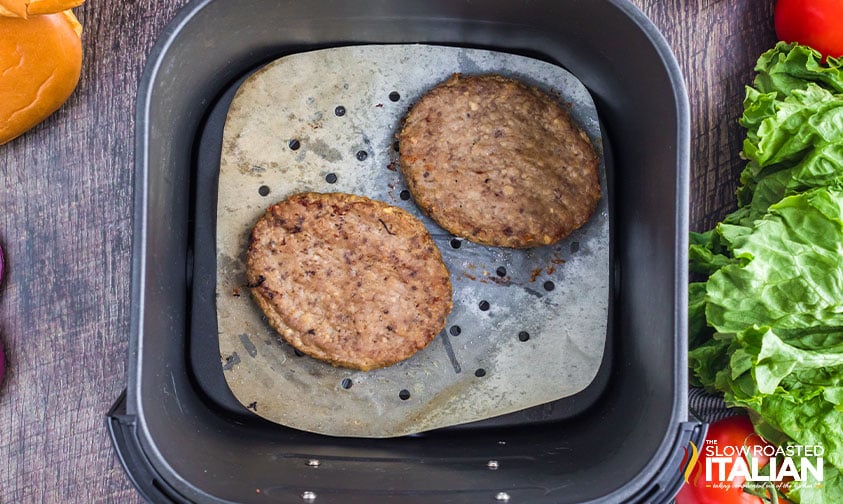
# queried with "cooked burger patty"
point(348, 280)
point(498, 163)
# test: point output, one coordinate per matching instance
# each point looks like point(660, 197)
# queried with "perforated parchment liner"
point(528, 327)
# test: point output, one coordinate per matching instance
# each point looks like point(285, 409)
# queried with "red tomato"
point(725, 437)
point(815, 23)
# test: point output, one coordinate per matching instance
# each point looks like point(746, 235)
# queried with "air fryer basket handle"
point(664, 488)
point(123, 431)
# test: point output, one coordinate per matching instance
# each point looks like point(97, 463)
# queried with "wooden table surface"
point(66, 225)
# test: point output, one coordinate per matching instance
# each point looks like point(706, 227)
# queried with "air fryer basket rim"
point(142, 438)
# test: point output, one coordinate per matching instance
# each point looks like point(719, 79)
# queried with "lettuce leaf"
point(794, 122)
point(790, 66)
point(796, 392)
point(766, 318)
point(829, 490)
point(793, 277)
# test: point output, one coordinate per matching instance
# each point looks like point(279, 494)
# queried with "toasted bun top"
point(13, 8)
point(25, 8)
point(40, 64)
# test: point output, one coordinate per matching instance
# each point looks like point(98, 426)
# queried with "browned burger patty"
point(347, 279)
point(498, 163)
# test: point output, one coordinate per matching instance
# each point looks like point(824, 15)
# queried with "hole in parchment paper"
point(549, 286)
point(331, 178)
point(480, 373)
point(456, 243)
point(395, 146)
point(484, 305)
point(394, 96)
point(455, 330)
point(501, 271)
point(263, 190)
point(362, 155)
point(405, 195)
point(523, 336)
point(346, 383)
point(339, 111)
point(404, 394)
point(294, 144)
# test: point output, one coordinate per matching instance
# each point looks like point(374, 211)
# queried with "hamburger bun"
point(40, 65)
point(25, 8)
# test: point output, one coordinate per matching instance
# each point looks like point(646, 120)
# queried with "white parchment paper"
point(528, 326)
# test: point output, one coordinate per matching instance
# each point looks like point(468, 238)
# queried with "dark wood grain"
point(716, 43)
point(65, 226)
point(66, 223)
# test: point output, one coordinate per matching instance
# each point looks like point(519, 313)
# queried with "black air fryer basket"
point(179, 432)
